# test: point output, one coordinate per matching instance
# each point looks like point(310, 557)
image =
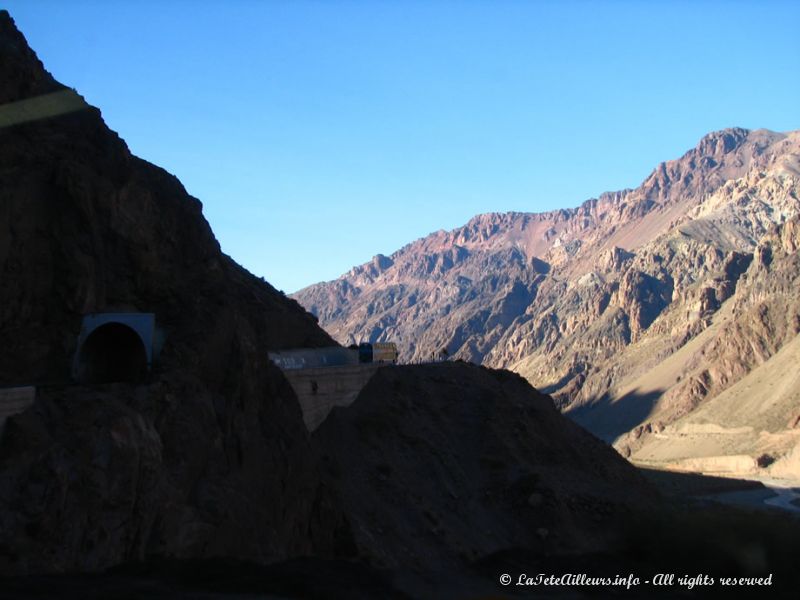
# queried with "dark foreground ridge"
point(443, 464)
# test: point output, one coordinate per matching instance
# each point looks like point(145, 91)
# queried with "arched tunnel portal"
point(114, 348)
point(112, 352)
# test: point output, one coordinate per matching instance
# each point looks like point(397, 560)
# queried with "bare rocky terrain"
point(207, 459)
point(211, 457)
point(635, 310)
point(472, 461)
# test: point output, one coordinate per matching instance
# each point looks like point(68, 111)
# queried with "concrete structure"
point(13, 401)
point(311, 358)
point(320, 390)
point(116, 347)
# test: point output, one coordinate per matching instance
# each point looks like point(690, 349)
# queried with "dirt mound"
point(440, 464)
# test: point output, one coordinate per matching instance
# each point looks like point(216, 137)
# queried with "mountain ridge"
point(562, 296)
point(560, 240)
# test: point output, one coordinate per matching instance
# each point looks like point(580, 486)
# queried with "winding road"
point(787, 494)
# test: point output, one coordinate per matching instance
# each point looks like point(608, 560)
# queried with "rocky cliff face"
point(583, 302)
point(210, 457)
point(463, 289)
point(85, 226)
point(731, 390)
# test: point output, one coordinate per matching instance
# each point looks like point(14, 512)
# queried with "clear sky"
point(318, 134)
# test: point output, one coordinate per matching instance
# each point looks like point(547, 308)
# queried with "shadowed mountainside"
point(209, 457)
point(472, 461)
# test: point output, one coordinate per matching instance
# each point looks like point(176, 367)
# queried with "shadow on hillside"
point(682, 484)
point(609, 419)
point(169, 579)
point(704, 542)
point(748, 493)
point(698, 538)
point(552, 388)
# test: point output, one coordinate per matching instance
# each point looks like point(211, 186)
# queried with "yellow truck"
point(378, 352)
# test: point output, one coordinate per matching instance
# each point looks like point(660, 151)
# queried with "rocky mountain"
point(208, 456)
point(589, 303)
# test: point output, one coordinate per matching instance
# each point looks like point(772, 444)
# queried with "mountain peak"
point(722, 142)
point(22, 74)
point(725, 141)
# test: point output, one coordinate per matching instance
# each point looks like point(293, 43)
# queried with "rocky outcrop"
point(211, 456)
point(95, 477)
point(22, 74)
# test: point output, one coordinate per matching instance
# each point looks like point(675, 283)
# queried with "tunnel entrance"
point(112, 352)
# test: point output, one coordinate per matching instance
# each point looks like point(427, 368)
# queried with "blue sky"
point(318, 134)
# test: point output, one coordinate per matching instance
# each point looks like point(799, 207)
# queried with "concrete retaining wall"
point(13, 401)
point(319, 390)
point(314, 358)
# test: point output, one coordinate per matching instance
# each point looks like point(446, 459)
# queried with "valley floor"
point(746, 490)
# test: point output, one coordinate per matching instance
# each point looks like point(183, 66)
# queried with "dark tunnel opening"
point(112, 352)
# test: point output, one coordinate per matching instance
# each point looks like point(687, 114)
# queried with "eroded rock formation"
point(589, 303)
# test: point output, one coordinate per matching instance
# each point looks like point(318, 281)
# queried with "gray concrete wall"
point(319, 390)
point(13, 401)
point(314, 358)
